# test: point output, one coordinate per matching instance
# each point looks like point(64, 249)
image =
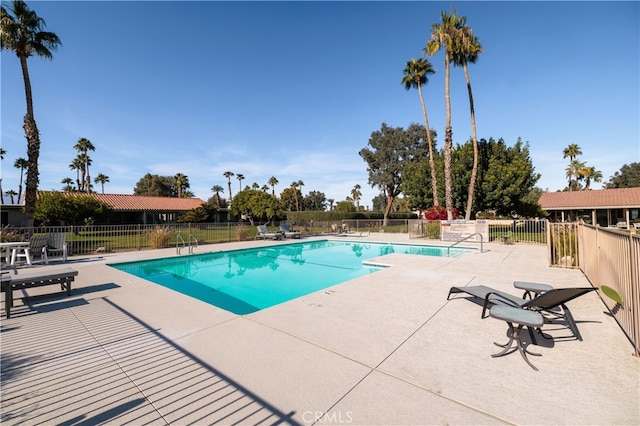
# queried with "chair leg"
point(515, 335)
point(572, 323)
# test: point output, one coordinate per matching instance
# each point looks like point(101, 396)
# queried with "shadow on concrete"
point(99, 364)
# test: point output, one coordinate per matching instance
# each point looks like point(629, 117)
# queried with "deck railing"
point(612, 258)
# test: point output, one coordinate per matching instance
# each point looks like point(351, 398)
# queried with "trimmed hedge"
point(307, 216)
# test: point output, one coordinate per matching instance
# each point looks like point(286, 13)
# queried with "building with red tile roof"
point(605, 207)
point(138, 209)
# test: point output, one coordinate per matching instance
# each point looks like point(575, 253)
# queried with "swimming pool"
point(248, 280)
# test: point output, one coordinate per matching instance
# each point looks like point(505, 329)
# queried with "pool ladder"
point(179, 239)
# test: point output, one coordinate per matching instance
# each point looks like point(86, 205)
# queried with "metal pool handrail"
point(178, 248)
point(466, 238)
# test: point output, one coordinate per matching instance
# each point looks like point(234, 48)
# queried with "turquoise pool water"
point(246, 281)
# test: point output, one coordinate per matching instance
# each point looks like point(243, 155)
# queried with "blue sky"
point(295, 89)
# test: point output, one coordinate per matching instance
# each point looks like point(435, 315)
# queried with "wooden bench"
point(24, 280)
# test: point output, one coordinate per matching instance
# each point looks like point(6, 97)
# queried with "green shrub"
point(432, 230)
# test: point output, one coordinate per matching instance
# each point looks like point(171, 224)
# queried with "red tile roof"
point(596, 199)
point(121, 202)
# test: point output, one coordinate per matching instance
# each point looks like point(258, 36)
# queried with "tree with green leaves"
point(575, 168)
point(56, 208)
point(505, 176)
point(217, 189)
point(255, 205)
point(289, 198)
point(571, 151)
point(415, 75)
point(240, 178)
point(294, 187)
point(101, 179)
point(68, 185)
point(443, 36)
point(83, 146)
point(315, 201)
point(11, 193)
point(273, 182)
point(466, 49)
point(388, 151)
point(155, 186)
point(181, 182)
point(331, 201)
point(345, 206)
point(228, 176)
point(356, 194)
point(23, 33)
point(590, 174)
point(21, 164)
point(627, 177)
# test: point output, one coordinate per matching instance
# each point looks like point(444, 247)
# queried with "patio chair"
point(57, 243)
point(37, 247)
point(24, 280)
point(287, 232)
point(551, 303)
point(264, 233)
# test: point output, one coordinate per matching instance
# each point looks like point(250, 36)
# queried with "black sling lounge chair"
point(552, 302)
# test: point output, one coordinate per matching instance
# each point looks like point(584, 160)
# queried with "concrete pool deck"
point(383, 349)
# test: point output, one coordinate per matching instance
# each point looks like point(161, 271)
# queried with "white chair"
point(37, 247)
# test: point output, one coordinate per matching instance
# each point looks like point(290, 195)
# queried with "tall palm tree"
point(575, 168)
point(77, 164)
point(571, 151)
point(83, 146)
point(21, 164)
point(240, 178)
point(294, 185)
point(591, 174)
point(11, 193)
point(228, 176)
point(300, 185)
point(2, 153)
point(68, 184)
point(217, 189)
point(182, 182)
point(466, 50)
point(273, 182)
point(331, 201)
point(442, 36)
point(101, 179)
point(356, 194)
point(415, 75)
point(22, 33)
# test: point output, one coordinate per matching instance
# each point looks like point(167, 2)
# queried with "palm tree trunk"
point(27, 86)
point(474, 170)
point(432, 164)
point(33, 151)
point(33, 148)
point(20, 186)
point(448, 141)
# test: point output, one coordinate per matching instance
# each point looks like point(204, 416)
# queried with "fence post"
point(635, 297)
